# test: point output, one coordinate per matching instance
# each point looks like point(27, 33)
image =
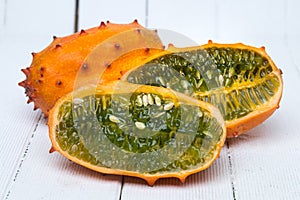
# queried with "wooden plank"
point(51, 176)
point(2, 14)
point(213, 183)
point(92, 12)
point(17, 118)
point(28, 27)
point(194, 19)
point(250, 22)
point(266, 160)
point(292, 34)
point(34, 17)
point(291, 10)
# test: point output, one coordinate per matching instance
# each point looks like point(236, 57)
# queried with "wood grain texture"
point(2, 14)
point(213, 183)
point(262, 164)
point(27, 28)
point(195, 19)
point(248, 20)
point(92, 12)
point(51, 176)
point(292, 31)
point(39, 17)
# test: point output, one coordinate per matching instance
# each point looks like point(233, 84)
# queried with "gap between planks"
point(76, 25)
point(22, 157)
point(230, 169)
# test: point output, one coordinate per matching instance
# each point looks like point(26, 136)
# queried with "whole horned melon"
point(53, 71)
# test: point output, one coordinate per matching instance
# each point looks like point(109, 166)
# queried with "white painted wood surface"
point(262, 164)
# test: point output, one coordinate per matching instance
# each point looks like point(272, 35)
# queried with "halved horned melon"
point(242, 81)
point(137, 130)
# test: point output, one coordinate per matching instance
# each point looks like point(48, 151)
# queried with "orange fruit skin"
point(53, 70)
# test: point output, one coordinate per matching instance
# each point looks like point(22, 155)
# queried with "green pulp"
point(122, 132)
point(236, 81)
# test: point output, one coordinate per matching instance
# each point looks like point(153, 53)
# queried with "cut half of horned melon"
point(241, 80)
point(137, 130)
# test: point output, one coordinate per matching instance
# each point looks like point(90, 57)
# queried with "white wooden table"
point(262, 164)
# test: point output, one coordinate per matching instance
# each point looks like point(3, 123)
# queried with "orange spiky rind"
point(62, 59)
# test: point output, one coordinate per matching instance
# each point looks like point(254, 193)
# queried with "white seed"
point(145, 100)
point(150, 99)
point(231, 71)
point(198, 76)
point(199, 114)
point(199, 83)
point(227, 82)
point(104, 102)
point(209, 75)
point(140, 125)
point(161, 80)
point(208, 134)
point(77, 101)
point(158, 115)
point(184, 84)
point(74, 148)
point(114, 119)
point(157, 101)
point(169, 106)
point(221, 79)
point(139, 101)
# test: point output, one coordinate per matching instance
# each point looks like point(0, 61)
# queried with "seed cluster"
point(213, 75)
point(138, 132)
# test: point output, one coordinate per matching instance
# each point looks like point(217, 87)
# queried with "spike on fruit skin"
point(210, 42)
point(35, 107)
point(82, 32)
point(117, 46)
point(58, 83)
point(63, 58)
point(58, 46)
point(182, 179)
point(22, 83)
point(102, 25)
point(26, 71)
point(280, 71)
point(170, 45)
point(51, 150)
point(29, 101)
